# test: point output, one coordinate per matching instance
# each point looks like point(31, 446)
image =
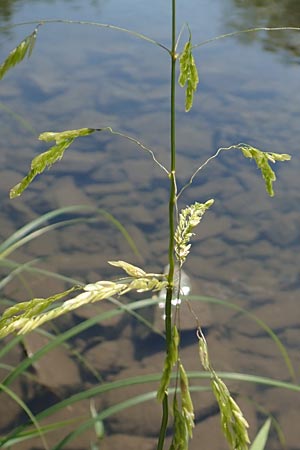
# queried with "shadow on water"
point(272, 13)
point(247, 249)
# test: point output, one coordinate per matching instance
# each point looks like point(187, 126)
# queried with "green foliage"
point(18, 53)
point(188, 74)
point(20, 434)
point(262, 161)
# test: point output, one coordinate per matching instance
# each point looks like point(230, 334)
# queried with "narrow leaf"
point(18, 53)
point(260, 441)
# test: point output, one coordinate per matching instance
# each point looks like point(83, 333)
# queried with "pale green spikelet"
point(46, 159)
point(189, 218)
point(180, 438)
point(60, 136)
point(233, 423)
point(146, 284)
point(203, 353)
point(188, 74)
point(26, 316)
point(262, 161)
point(183, 415)
point(130, 269)
point(186, 401)
point(18, 53)
point(170, 361)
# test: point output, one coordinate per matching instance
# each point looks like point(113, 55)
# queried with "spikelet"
point(233, 423)
point(26, 316)
point(189, 218)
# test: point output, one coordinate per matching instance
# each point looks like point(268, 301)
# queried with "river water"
point(247, 248)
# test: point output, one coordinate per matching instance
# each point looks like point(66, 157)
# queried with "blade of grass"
point(104, 415)
point(48, 428)
point(33, 230)
point(73, 332)
point(259, 322)
point(31, 416)
point(106, 387)
point(260, 441)
point(26, 267)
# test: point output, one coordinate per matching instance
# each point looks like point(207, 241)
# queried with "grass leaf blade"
point(260, 441)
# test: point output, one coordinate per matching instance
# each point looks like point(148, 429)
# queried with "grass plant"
point(174, 379)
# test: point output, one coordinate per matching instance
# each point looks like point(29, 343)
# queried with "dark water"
point(247, 249)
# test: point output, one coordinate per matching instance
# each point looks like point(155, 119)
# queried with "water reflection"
point(248, 246)
point(6, 9)
point(269, 13)
point(9, 7)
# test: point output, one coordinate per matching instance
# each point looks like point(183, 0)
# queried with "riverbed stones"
point(55, 369)
point(110, 356)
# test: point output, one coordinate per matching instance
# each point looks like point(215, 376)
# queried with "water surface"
point(247, 249)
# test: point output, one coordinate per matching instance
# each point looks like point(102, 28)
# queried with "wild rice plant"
point(24, 317)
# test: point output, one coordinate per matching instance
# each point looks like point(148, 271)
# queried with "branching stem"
point(87, 22)
point(137, 142)
point(248, 30)
point(203, 165)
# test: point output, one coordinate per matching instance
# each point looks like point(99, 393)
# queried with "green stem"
point(87, 22)
point(248, 30)
point(172, 208)
point(172, 196)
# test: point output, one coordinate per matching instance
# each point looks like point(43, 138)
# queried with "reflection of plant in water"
point(271, 14)
point(6, 9)
point(27, 316)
